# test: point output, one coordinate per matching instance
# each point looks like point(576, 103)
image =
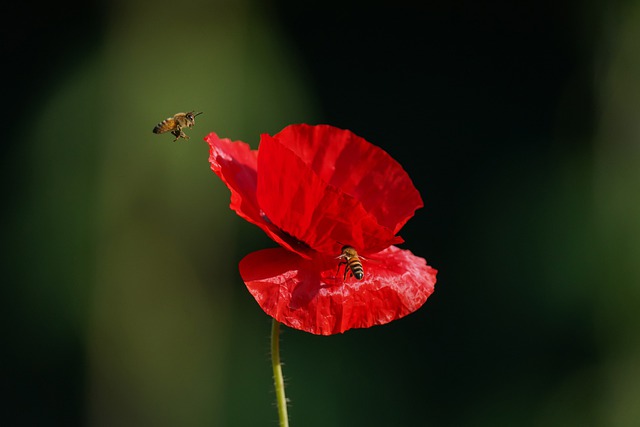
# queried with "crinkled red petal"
point(236, 165)
point(323, 216)
point(358, 168)
point(312, 296)
point(305, 206)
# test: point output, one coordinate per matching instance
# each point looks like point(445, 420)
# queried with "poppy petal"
point(236, 165)
point(355, 166)
point(312, 296)
point(302, 204)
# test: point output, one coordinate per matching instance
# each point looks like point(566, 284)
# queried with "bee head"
point(191, 115)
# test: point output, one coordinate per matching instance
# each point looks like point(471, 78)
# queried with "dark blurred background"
point(518, 122)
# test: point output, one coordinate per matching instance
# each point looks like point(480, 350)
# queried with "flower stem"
point(278, 380)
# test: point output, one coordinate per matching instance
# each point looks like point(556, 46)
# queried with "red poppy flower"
point(314, 190)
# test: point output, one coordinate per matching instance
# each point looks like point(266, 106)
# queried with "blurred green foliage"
point(518, 123)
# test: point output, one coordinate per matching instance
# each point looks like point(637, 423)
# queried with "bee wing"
point(165, 125)
point(369, 260)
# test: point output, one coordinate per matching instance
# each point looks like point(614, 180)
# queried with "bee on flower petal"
point(352, 263)
point(176, 123)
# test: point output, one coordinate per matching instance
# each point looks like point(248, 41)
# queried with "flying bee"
point(352, 263)
point(176, 123)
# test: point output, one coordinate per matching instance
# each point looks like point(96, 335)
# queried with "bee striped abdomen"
point(165, 126)
point(355, 266)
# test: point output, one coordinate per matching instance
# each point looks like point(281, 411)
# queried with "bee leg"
point(181, 133)
point(176, 133)
point(339, 265)
point(347, 270)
